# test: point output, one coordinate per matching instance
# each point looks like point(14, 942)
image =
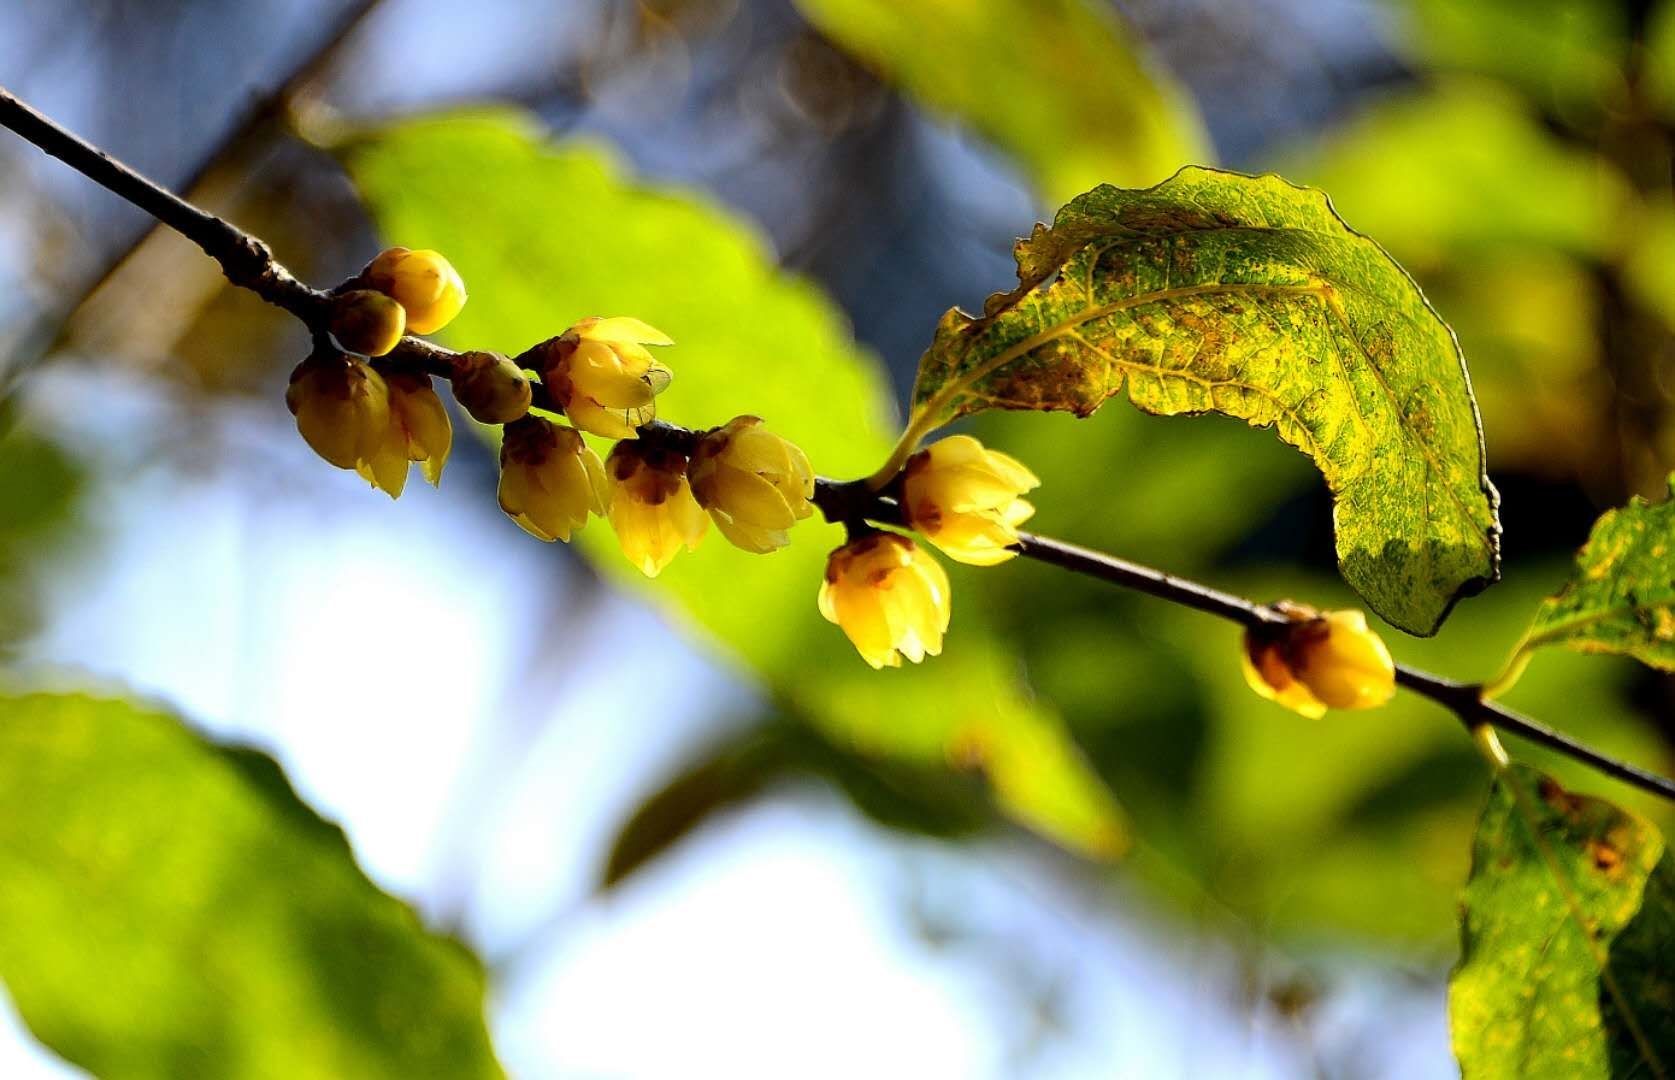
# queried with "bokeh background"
point(686, 833)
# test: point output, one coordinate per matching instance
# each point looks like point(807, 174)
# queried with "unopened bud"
point(423, 282)
point(492, 388)
point(367, 322)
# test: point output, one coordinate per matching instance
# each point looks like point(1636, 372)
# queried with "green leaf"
point(556, 233)
point(1248, 296)
point(1060, 84)
point(1622, 597)
point(1567, 932)
point(170, 908)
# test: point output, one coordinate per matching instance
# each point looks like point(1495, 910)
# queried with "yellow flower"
point(965, 499)
point(422, 282)
point(549, 478)
point(342, 407)
point(417, 430)
point(652, 508)
point(600, 371)
point(888, 596)
point(493, 389)
point(754, 484)
point(1317, 662)
point(367, 322)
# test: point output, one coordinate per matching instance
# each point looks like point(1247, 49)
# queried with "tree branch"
point(249, 264)
point(247, 131)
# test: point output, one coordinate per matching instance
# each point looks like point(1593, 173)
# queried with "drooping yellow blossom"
point(550, 479)
point(493, 389)
point(1317, 662)
point(651, 505)
point(966, 499)
point(342, 407)
point(603, 376)
point(755, 484)
point(889, 597)
point(366, 322)
point(418, 430)
point(422, 282)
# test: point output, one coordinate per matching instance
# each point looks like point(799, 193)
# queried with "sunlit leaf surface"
point(170, 908)
point(546, 235)
point(1060, 84)
point(1569, 927)
point(1248, 296)
point(1622, 597)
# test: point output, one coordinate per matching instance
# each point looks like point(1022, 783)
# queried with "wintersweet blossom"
point(889, 597)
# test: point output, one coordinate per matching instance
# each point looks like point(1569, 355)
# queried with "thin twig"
point(254, 123)
point(249, 264)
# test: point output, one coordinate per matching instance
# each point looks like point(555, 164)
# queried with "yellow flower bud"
point(549, 478)
point(366, 322)
point(652, 508)
point(601, 373)
point(342, 407)
point(965, 499)
point(888, 596)
point(1317, 662)
point(417, 430)
point(423, 282)
point(493, 389)
point(754, 484)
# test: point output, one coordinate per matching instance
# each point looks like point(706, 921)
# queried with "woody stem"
point(248, 263)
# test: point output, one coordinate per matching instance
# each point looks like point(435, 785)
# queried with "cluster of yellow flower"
point(889, 596)
point(379, 420)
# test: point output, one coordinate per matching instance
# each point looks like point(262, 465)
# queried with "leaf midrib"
point(927, 416)
point(1559, 630)
point(960, 384)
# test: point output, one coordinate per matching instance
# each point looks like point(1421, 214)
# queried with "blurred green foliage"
point(1567, 55)
point(40, 496)
point(1062, 85)
point(187, 915)
point(749, 338)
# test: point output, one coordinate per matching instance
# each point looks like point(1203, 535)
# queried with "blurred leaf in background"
point(1567, 55)
point(41, 487)
point(1061, 85)
point(187, 915)
point(556, 234)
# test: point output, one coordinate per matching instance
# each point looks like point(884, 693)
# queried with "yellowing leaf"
point(1622, 599)
point(1248, 296)
point(1060, 84)
point(1567, 936)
